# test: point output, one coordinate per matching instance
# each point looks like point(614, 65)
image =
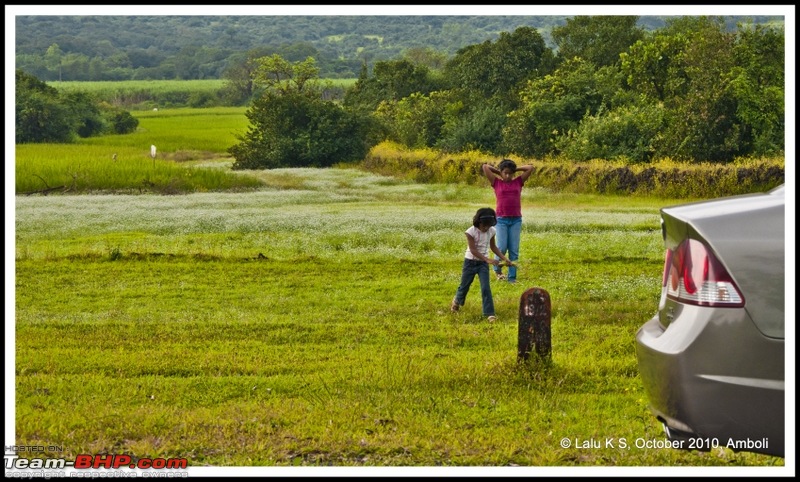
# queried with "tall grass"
point(664, 178)
point(307, 324)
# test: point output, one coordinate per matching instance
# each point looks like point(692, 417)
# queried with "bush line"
point(664, 178)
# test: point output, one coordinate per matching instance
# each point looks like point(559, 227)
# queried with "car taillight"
point(693, 275)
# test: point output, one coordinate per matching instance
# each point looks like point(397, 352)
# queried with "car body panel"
point(748, 234)
point(717, 373)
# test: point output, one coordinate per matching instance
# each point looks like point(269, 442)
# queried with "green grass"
point(151, 86)
point(122, 163)
point(307, 324)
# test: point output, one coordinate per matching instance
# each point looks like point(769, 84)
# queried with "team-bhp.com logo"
point(47, 466)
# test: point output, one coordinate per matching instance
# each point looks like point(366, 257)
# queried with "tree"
point(298, 130)
point(487, 78)
point(45, 115)
point(554, 105)
point(239, 85)
point(757, 84)
point(41, 116)
point(426, 56)
point(688, 67)
point(391, 80)
point(52, 58)
point(500, 69)
point(597, 39)
point(89, 120)
point(292, 126)
point(278, 74)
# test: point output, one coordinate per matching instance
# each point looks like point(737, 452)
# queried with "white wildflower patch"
point(328, 212)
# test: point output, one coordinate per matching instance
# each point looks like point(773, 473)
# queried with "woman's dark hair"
point(507, 163)
point(484, 215)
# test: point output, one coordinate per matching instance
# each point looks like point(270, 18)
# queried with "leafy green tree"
point(757, 84)
point(479, 128)
point(688, 66)
point(426, 56)
point(52, 58)
point(554, 105)
point(45, 115)
point(648, 64)
point(41, 116)
point(89, 120)
point(701, 116)
point(629, 133)
point(122, 122)
point(75, 67)
point(292, 126)
point(488, 77)
point(298, 52)
point(390, 81)
point(298, 130)
point(279, 75)
point(415, 120)
point(499, 69)
point(598, 39)
point(239, 84)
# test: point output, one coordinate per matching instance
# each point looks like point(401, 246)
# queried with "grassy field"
point(303, 322)
point(123, 163)
point(158, 86)
point(144, 95)
point(307, 324)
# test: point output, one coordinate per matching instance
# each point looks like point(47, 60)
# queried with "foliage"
point(479, 128)
point(41, 115)
point(416, 120)
point(122, 122)
point(45, 114)
point(554, 105)
point(697, 70)
point(291, 125)
point(696, 90)
point(701, 113)
point(629, 133)
point(390, 81)
point(597, 39)
point(498, 69)
point(116, 47)
point(279, 75)
point(757, 84)
point(298, 130)
point(240, 86)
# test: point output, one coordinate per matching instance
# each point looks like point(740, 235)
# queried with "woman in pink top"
point(508, 192)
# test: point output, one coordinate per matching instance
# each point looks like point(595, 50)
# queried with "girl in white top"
point(480, 239)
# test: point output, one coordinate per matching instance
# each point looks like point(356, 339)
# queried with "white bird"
point(153, 152)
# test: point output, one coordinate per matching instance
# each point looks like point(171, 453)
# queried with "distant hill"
point(109, 47)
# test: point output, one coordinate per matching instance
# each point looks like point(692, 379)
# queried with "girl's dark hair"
point(507, 163)
point(484, 215)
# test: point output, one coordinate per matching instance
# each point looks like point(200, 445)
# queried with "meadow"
point(306, 323)
point(123, 163)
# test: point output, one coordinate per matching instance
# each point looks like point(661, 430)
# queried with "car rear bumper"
point(703, 388)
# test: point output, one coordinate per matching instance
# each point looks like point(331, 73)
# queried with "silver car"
point(712, 358)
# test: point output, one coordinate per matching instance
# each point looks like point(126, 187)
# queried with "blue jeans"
point(509, 230)
point(471, 268)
